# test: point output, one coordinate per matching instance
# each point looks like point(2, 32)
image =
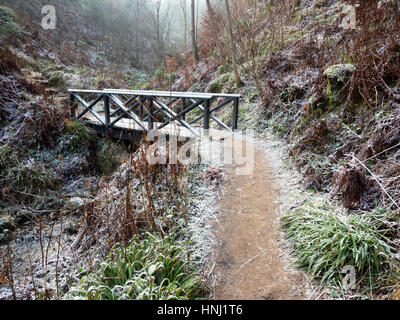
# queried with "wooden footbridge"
point(120, 113)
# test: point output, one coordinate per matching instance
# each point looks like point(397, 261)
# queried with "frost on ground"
point(290, 194)
point(204, 213)
point(204, 199)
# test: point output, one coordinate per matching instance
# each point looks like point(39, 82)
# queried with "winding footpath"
point(249, 264)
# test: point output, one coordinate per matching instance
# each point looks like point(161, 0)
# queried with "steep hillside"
point(330, 90)
point(50, 165)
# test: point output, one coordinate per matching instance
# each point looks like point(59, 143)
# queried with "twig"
point(397, 145)
point(43, 257)
point(211, 270)
point(58, 253)
point(26, 193)
point(8, 268)
point(348, 128)
point(49, 242)
point(31, 272)
point(251, 259)
point(39, 211)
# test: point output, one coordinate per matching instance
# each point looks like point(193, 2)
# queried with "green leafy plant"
point(79, 135)
point(56, 79)
point(30, 176)
point(154, 268)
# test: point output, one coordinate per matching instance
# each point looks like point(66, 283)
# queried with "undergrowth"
point(325, 239)
point(155, 268)
point(24, 176)
point(109, 156)
point(80, 137)
point(8, 25)
point(31, 176)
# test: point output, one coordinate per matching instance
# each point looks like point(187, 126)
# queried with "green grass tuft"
point(25, 175)
point(8, 158)
point(324, 239)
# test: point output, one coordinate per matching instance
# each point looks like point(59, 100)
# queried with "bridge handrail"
point(146, 93)
point(172, 94)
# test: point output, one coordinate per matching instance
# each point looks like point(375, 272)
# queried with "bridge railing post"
point(183, 117)
point(206, 114)
point(235, 114)
point(106, 111)
point(71, 105)
point(140, 110)
point(150, 115)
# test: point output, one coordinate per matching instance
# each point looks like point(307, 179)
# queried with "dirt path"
point(248, 265)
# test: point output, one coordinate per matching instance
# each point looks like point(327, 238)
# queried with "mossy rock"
point(8, 25)
point(214, 87)
point(56, 79)
point(75, 203)
point(337, 76)
point(339, 72)
point(219, 83)
point(224, 68)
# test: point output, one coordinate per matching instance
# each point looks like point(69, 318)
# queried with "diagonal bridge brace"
point(178, 116)
point(88, 107)
point(128, 112)
point(129, 109)
point(172, 115)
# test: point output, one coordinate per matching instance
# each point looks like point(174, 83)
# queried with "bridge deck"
point(129, 124)
point(172, 129)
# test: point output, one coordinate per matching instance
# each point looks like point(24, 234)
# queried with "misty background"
point(137, 33)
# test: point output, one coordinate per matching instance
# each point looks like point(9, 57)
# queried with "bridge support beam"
point(71, 105)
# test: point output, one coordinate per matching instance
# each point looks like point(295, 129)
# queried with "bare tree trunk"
point(214, 27)
point(194, 41)
point(158, 31)
point(137, 54)
point(232, 45)
point(183, 4)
